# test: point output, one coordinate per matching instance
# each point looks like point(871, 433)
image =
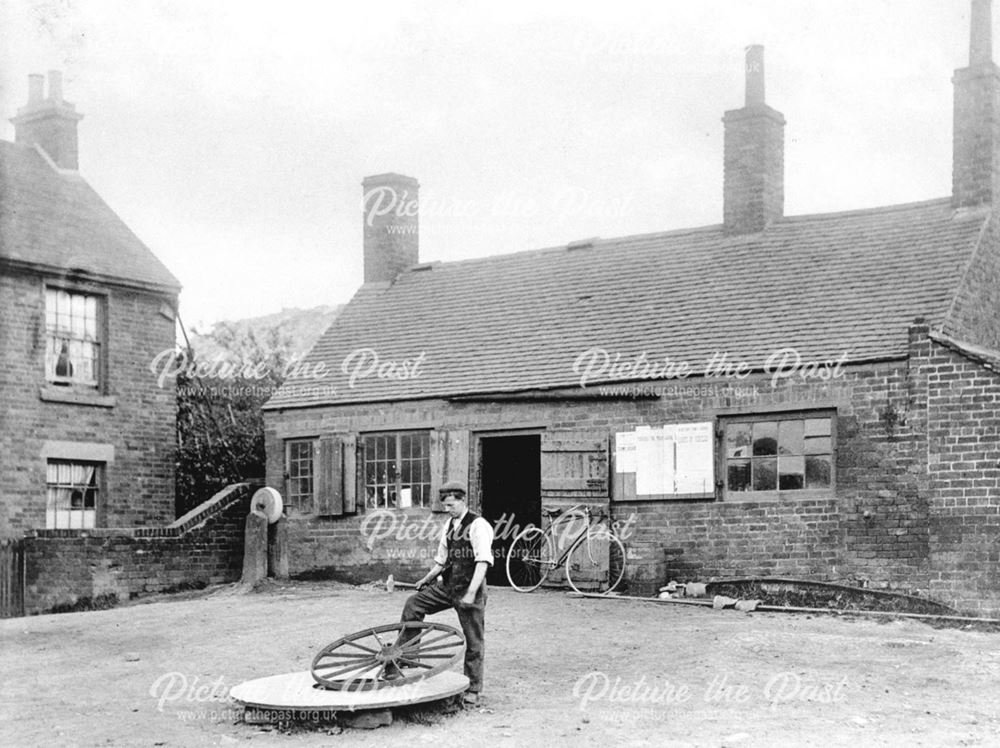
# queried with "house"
point(801, 396)
point(86, 432)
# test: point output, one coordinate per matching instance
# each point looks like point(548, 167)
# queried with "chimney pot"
point(55, 86)
point(981, 33)
point(753, 156)
point(755, 75)
point(36, 82)
point(976, 118)
point(49, 123)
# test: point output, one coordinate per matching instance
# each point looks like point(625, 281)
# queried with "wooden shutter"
point(352, 476)
point(449, 461)
point(329, 472)
point(575, 465)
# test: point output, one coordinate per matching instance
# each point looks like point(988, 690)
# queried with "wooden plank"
point(353, 486)
point(449, 460)
point(329, 483)
point(575, 464)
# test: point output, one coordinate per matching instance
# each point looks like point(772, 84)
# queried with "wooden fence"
point(11, 578)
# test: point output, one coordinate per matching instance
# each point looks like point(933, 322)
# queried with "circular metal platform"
point(300, 693)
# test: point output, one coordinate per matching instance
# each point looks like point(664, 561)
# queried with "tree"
point(220, 428)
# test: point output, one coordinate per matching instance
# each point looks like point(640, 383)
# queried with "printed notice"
point(695, 462)
point(625, 452)
point(654, 461)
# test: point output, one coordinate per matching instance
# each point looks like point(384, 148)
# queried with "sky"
point(232, 136)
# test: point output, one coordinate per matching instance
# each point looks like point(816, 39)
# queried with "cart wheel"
point(530, 558)
point(596, 562)
point(387, 656)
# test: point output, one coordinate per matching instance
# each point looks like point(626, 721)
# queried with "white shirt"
point(480, 535)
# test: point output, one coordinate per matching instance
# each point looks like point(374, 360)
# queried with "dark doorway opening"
point(511, 492)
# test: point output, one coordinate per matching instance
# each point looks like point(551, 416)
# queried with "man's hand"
point(469, 598)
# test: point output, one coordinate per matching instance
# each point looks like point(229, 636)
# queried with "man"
point(463, 555)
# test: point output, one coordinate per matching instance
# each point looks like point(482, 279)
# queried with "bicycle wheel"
point(596, 562)
point(530, 559)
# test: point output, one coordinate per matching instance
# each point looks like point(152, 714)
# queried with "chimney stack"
point(976, 134)
point(389, 209)
point(754, 156)
point(49, 122)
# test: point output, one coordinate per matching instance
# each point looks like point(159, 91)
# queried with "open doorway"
point(511, 492)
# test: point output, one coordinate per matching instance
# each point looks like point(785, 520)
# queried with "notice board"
point(672, 461)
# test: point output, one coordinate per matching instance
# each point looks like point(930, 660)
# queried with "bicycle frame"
point(566, 517)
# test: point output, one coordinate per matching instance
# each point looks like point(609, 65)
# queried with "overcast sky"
point(232, 137)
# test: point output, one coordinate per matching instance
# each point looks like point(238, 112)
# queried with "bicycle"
point(594, 557)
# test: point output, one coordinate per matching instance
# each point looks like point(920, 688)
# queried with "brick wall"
point(66, 567)
point(887, 522)
point(963, 461)
point(754, 168)
point(140, 425)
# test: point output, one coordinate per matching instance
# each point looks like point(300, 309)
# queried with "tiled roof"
point(55, 219)
point(821, 284)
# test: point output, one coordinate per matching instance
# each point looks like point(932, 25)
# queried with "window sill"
point(52, 394)
point(772, 497)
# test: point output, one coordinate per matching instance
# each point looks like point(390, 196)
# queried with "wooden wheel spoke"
point(342, 664)
point(378, 638)
point(331, 666)
point(346, 655)
point(432, 641)
point(449, 645)
point(359, 646)
point(358, 669)
point(412, 641)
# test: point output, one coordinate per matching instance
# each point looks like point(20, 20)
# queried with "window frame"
point(306, 505)
point(777, 494)
point(428, 501)
point(100, 383)
point(99, 488)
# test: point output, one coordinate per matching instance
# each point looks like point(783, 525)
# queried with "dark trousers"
point(434, 598)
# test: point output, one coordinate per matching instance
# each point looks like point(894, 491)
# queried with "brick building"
point(86, 433)
point(810, 396)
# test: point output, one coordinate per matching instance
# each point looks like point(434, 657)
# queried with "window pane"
point(91, 311)
point(790, 437)
point(50, 308)
point(765, 438)
point(765, 474)
point(790, 475)
point(738, 475)
point(818, 445)
point(817, 427)
point(818, 472)
point(738, 440)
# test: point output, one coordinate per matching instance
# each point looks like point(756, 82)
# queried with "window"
point(72, 489)
point(73, 340)
point(397, 470)
point(299, 473)
point(778, 453)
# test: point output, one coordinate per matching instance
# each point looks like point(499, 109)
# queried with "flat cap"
point(452, 486)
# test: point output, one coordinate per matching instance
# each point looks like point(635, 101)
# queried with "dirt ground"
point(559, 670)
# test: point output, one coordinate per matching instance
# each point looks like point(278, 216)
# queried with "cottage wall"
point(963, 466)
point(134, 415)
point(875, 525)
